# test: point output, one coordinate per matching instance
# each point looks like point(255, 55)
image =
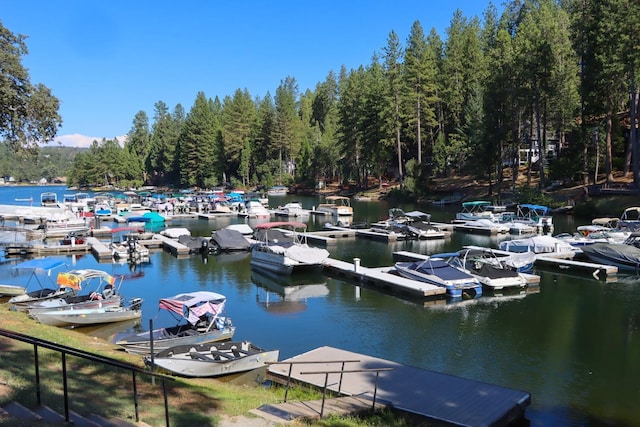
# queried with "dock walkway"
point(380, 277)
point(429, 394)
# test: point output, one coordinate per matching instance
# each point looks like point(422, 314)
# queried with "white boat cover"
point(537, 244)
point(306, 254)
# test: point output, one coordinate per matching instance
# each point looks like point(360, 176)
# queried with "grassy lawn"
point(108, 391)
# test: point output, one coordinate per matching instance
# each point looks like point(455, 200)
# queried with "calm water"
point(573, 343)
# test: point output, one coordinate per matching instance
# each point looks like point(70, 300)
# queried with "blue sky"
point(107, 60)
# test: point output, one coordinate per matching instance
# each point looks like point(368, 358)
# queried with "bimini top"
point(74, 279)
point(536, 208)
point(193, 305)
point(43, 265)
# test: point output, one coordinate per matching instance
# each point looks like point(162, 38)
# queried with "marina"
point(582, 324)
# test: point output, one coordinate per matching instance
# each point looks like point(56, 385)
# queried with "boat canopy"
point(418, 215)
point(544, 210)
point(193, 305)
point(75, 278)
point(42, 265)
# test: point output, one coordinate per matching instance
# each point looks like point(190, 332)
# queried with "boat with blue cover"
point(437, 271)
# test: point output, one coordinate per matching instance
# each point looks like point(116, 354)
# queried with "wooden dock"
point(176, 248)
point(602, 272)
point(381, 278)
point(429, 394)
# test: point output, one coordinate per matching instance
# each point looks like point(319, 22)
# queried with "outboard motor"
point(204, 246)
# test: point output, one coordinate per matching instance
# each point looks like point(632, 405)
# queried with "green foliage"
point(28, 112)
point(526, 194)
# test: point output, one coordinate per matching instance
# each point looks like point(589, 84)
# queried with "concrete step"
point(112, 422)
point(16, 410)
point(49, 415)
point(80, 421)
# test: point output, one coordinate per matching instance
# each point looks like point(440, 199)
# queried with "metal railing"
point(65, 350)
point(341, 371)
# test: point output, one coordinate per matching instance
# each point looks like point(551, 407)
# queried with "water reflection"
point(287, 294)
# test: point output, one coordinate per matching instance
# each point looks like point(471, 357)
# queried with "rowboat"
point(213, 359)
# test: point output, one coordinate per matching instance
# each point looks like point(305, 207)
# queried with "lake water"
point(573, 343)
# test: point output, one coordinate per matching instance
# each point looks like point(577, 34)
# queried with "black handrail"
point(64, 350)
point(300, 362)
point(341, 372)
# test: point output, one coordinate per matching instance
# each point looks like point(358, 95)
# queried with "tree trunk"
point(608, 161)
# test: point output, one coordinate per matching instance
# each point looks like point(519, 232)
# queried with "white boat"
point(278, 190)
point(254, 209)
point(539, 245)
point(282, 248)
point(438, 272)
point(522, 262)
point(630, 219)
point(125, 244)
point(200, 321)
point(336, 206)
point(94, 289)
point(292, 210)
point(475, 210)
point(213, 359)
point(91, 316)
point(49, 199)
point(414, 224)
point(486, 225)
point(11, 290)
point(537, 216)
point(486, 267)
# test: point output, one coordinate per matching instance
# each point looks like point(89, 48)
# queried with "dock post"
point(356, 265)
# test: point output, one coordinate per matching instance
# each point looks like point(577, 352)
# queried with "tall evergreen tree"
point(196, 143)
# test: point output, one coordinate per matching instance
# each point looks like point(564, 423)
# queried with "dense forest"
point(50, 163)
point(542, 76)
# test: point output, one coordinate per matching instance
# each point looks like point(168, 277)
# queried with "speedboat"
point(200, 321)
point(213, 359)
point(282, 248)
point(292, 209)
point(414, 224)
point(625, 256)
point(228, 240)
point(486, 267)
point(254, 209)
point(547, 245)
point(437, 271)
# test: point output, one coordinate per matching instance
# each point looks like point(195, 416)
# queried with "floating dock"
point(429, 394)
point(382, 278)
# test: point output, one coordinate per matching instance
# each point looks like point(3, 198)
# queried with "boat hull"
point(163, 339)
point(456, 282)
point(213, 359)
point(87, 316)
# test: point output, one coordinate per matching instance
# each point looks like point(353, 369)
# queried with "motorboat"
point(414, 224)
point(200, 320)
point(196, 244)
point(438, 272)
point(38, 270)
point(486, 225)
point(91, 316)
point(282, 248)
point(486, 267)
point(522, 262)
point(537, 216)
point(292, 210)
point(49, 199)
point(625, 256)
point(213, 359)
point(336, 206)
point(547, 245)
point(228, 240)
point(94, 289)
point(474, 210)
point(127, 245)
point(630, 219)
point(277, 190)
point(254, 209)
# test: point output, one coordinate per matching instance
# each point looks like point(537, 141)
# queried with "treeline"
point(542, 70)
point(51, 163)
